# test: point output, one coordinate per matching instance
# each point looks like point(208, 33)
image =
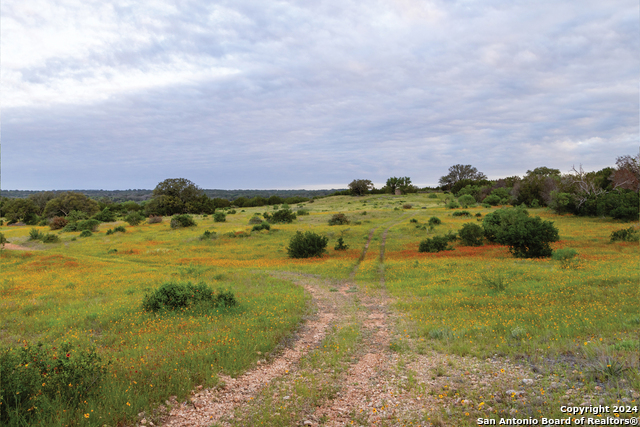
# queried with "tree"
point(70, 201)
point(41, 199)
point(21, 210)
point(177, 195)
point(181, 188)
point(627, 176)
point(359, 187)
point(545, 171)
point(403, 184)
point(458, 172)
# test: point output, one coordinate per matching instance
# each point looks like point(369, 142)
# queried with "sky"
point(311, 94)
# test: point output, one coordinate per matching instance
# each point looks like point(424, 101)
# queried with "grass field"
point(580, 316)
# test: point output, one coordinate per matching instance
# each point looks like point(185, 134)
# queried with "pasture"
point(570, 324)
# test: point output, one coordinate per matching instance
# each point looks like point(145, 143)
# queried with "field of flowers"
point(471, 300)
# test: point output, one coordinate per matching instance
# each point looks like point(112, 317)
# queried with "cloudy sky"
point(311, 94)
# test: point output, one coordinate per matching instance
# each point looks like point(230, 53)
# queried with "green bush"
point(105, 215)
point(35, 234)
point(461, 213)
point(413, 220)
point(134, 218)
point(453, 205)
point(625, 235)
point(183, 220)
point(492, 200)
point(339, 219)
point(255, 220)
point(340, 246)
point(526, 237)
point(118, 229)
point(307, 245)
point(174, 295)
point(435, 244)
point(282, 216)
point(86, 233)
point(466, 200)
point(88, 224)
point(36, 381)
point(434, 220)
point(50, 238)
point(208, 235)
point(262, 226)
point(3, 240)
point(71, 226)
point(471, 234)
point(219, 217)
point(433, 196)
point(302, 212)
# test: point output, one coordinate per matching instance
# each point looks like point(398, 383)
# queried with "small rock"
point(286, 398)
point(626, 400)
point(143, 421)
point(307, 423)
point(513, 411)
point(527, 381)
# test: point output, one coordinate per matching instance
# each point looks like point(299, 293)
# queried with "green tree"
point(70, 201)
point(21, 210)
point(360, 187)
point(403, 184)
point(459, 172)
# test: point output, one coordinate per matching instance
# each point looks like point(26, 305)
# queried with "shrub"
point(183, 220)
point(255, 220)
point(434, 220)
point(467, 200)
point(435, 244)
point(219, 217)
point(492, 200)
point(71, 226)
point(462, 213)
point(208, 235)
point(625, 235)
point(307, 245)
point(471, 234)
point(413, 220)
point(407, 206)
point(340, 246)
point(282, 216)
point(35, 381)
point(50, 238)
point(58, 222)
point(302, 212)
point(118, 229)
point(172, 295)
point(134, 218)
point(433, 196)
point(262, 226)
point(339, 219)
point(88, 224)
point(105, 215)
point(153, 219)
point(231, 212)
point(453, 205)
point(526, 237)
point(86, 233)
point(35, 234)
point(3, 240)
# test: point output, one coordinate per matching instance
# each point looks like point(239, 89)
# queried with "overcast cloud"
point(300, 94)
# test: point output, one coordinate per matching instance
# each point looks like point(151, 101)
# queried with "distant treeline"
point(140, 195)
